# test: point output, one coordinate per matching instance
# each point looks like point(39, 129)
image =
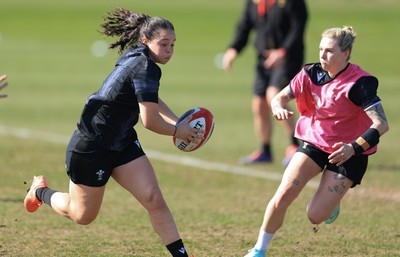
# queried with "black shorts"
point(276, 77)
point(353, 169)
point(90, 164)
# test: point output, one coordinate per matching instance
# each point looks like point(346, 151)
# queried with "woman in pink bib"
point(341, 121)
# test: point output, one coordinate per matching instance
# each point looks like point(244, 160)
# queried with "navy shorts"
point(279, 78)
point(90, 164)
point(353, 169)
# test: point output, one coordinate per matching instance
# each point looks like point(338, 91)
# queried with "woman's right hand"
point(280, 113)
point(185, 132)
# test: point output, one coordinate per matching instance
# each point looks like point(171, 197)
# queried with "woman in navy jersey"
point(341, 121)
point(105, 143)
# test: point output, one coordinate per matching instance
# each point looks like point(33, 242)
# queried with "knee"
point(155, 200)
point(316, 216)
point(283, 199)
point(83, 219)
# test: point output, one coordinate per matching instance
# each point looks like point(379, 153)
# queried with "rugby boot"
point(31, 202)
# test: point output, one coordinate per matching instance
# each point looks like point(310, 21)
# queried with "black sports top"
point(111, 113)
point(282, 27)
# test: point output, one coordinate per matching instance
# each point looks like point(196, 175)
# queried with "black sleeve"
point(298, 19)
point(243, 29)
point(148, 97)
point(146, 81)
point(364, 92)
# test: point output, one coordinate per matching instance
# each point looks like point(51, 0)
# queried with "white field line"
point(192, 162)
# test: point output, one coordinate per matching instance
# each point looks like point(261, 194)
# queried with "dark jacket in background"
point(282, 26)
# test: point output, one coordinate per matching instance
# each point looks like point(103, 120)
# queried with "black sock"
point(44, 194)
point(266, 148)
point(177, 249)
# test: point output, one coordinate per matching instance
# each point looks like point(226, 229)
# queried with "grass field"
point(45, 49)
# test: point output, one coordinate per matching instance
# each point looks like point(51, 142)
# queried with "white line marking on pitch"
point(188, 161)
point(172, 158)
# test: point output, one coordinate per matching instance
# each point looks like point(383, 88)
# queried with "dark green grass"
point(45, 50)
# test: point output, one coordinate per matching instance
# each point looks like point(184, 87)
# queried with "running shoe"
point(334, 215)
point(255, 253)
point(289, 152)
point(31, 202)
point(256, 157)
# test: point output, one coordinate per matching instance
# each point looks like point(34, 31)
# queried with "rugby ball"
point(201, 119)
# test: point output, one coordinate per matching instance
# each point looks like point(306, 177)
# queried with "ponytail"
point(130, 27)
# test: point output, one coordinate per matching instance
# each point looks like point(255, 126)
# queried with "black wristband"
point(367, 140)
point(357, 148)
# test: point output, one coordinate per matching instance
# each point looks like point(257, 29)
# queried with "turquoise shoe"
point(334, 215)
point(255, 253)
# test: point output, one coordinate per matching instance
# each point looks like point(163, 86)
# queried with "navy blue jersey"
point(111, 113)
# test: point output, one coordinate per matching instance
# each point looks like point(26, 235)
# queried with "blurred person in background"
point(340, 125)
point(106, 145)
point(279, 26)
point(3, 85)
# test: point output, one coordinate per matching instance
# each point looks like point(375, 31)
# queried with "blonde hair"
point(345, 37)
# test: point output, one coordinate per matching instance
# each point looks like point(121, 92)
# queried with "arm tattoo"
point(377, 113)
point(289, 94)
point(285, 97)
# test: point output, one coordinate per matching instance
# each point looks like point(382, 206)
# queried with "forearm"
point(160, 126)
point(166, 112)
point(371, 137)
point(154, 121)
point(282, 98)
point(279, 102)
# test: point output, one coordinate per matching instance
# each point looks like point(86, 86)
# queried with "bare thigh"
point(299, 172)
point(332, 188)
point(81, 204)
point(138, 177)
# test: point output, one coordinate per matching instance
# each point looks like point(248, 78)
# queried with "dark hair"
point(131, 27)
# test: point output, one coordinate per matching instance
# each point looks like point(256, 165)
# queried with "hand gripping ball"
point(201, 119)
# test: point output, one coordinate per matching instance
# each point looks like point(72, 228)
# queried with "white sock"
point(263, 240)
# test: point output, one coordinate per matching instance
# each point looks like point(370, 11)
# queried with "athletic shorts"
point(353, 169)
point(279, 78)
point(90, 164)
